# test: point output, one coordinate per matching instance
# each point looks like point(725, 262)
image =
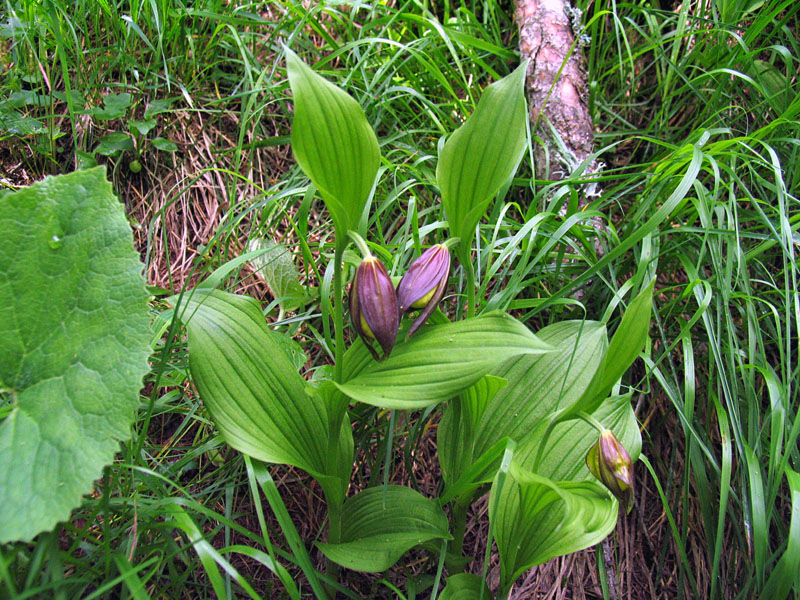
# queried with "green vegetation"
point(188, 105)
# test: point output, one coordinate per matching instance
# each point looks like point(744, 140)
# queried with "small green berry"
point(135, 166)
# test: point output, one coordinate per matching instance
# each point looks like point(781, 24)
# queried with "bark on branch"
point(556, 86)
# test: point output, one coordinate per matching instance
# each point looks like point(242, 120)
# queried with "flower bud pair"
point(375, 306)
point(611, 464)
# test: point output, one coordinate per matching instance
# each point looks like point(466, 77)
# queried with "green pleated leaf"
point(441, 361)
point(628, 341)
point(332, 142)
point(562, 455)
point(455, 435)
point(465, 586)
point(535, 519)
point(483, 153)
point(381, 523)
point(75, 334)
point(253, 392)
point(539, 385)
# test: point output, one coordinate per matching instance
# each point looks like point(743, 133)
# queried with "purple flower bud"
point(424, 283)
point(611, 464)
point(373, 306)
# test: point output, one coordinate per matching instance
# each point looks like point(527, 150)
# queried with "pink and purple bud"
point(424, 283)
point(611, 464)
point(373, 306)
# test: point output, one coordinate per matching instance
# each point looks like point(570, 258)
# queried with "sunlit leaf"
point(628, 341)
point(483, 153)
point(440, 361)
point(332, 142)
point(253, 392)
point(76, 337)
point(535, 519)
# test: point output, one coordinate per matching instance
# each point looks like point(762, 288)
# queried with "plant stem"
point(459, 529)
point(338, 311)
point(466, 263)
point(334, 537)
point(335, 416)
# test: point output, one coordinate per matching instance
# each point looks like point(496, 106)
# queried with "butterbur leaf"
point(254, 394)
point(75, 337)
point(483, 154)
point(381, 523)
point(535, 519)
point(333, 143)
point(439, 362)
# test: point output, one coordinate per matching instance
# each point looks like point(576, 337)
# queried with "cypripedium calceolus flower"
point(373, 306)
point(611, 464)
point(424, 283)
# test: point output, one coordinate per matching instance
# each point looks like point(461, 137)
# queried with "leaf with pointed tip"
point(539, 385)
point(332, 142)
point(440, 361)
point(381, 523)
point(483, 153)
point(75, 336)
point(628, 341)
point(563, 454)
point(535, 519)
point(254, 394)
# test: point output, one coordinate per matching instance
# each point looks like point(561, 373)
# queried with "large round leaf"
point(75, 340)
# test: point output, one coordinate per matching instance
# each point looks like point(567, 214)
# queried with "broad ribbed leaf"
point(539, 385)
point(455, 435)
point(535, 519)
point(483, 153)
point(441, 361)
point(332, 142)
point(75, 338)
point(562, 457)
point(465, 586)
point(253, 392)
point(628, 341)
point(381, 523)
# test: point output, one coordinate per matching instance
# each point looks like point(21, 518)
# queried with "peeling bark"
point(556, 87)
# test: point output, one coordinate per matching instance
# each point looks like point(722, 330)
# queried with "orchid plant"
point(522, 414)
